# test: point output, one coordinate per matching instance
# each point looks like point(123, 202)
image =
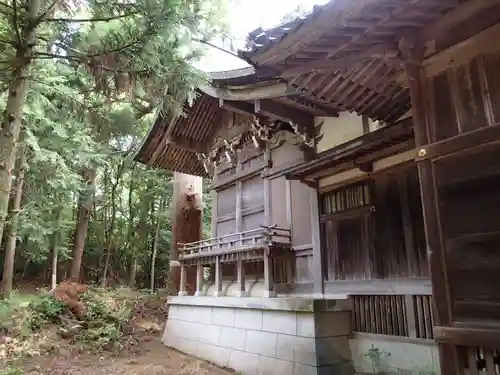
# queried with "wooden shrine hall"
point(355, 172)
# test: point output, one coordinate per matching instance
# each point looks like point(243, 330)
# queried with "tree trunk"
point(82, 225)
point(132, 274)
point(154, 247)
point(187, 222)
point(56, 236)
point(130, 233)
point(16, 99)
point(10, 232)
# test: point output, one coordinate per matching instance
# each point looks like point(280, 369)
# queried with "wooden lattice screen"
point(393, 315)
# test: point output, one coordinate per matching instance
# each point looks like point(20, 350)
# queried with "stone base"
point(257, 336)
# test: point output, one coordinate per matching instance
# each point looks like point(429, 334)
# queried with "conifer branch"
point(94, 19)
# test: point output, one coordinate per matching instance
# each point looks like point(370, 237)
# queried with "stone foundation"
point(275, 336)
point(399, 355)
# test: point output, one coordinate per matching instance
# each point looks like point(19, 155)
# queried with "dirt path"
point(154, 359)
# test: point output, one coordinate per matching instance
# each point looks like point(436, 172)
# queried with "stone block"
point(263, 343)
point(187, 330)
point(285, 347)
point(233, 338)
point(248, 319)
point(188, 346)
point(329, 324)
point(185, 313)
point(273, 366)
point(215, 354)
point(305, 324)
point(279, 322)
point(171, 328)
point(209, 334)
point(222, 316)
point(305, 351)
point(200, 314)
point(174, 312)
point(300, 369)
point(332, 350)
point(246, 363)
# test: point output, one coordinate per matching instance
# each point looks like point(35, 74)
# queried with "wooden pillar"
point(268, 262)
point(187, 223)
point(182, 283)
point(318, 282)
point(290, 257)
point(240, 277)
point(199, 279)
point(412, 53)
point(269, 291)
point(218, 278)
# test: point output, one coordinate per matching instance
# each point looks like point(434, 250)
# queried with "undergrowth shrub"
point(12, 371)
point(45, 309)
point(103, 325)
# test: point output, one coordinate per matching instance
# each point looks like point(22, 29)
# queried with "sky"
point(245, 16)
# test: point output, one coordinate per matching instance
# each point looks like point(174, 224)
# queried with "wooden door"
point(457, 127)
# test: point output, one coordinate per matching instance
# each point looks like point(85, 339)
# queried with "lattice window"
point(345, 199)
point(394, 315)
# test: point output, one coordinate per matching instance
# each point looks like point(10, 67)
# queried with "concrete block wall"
point(255, 341)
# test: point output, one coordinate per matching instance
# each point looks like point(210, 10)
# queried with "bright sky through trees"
point(245, 16)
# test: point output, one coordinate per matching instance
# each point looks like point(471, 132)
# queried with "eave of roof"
point(368, 83)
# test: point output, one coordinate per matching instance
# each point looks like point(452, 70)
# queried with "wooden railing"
point(393, 315)
point(262, 244)
point(236, 242)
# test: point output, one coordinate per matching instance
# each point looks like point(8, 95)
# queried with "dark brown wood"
point(413, 54)
point(379, 51)
point(467, 336)
point(281, 112)
point(461, 143)
point(186, 144)
point(318, 279)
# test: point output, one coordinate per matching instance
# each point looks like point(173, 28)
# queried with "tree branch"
point(95, 19)
point(14, 21)
point(48, 55)
point(216, 47)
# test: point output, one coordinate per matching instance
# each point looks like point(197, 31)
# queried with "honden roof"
point(341, 57)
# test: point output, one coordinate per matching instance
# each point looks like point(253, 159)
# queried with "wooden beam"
point(332, 15)
point(283, 112)
point(460, 53)
point(454, 17)
point(379, 51)
point(243, 108)
point(186, 144)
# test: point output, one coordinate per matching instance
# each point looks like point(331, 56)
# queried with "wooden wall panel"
point(301, 210)
point(286, 155)
point(384, 240)
point(278, 203)
point(252, 192)
point(226, 227)
point(226, 201)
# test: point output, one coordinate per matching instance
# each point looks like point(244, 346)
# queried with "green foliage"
point(375, 355)
point(98, 74)
point(12, 371)
point(45, 309)
point(105, 321)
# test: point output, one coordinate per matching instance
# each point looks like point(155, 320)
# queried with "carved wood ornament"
point(261, 132)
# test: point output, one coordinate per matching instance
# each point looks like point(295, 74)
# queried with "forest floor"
point(56, 347)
